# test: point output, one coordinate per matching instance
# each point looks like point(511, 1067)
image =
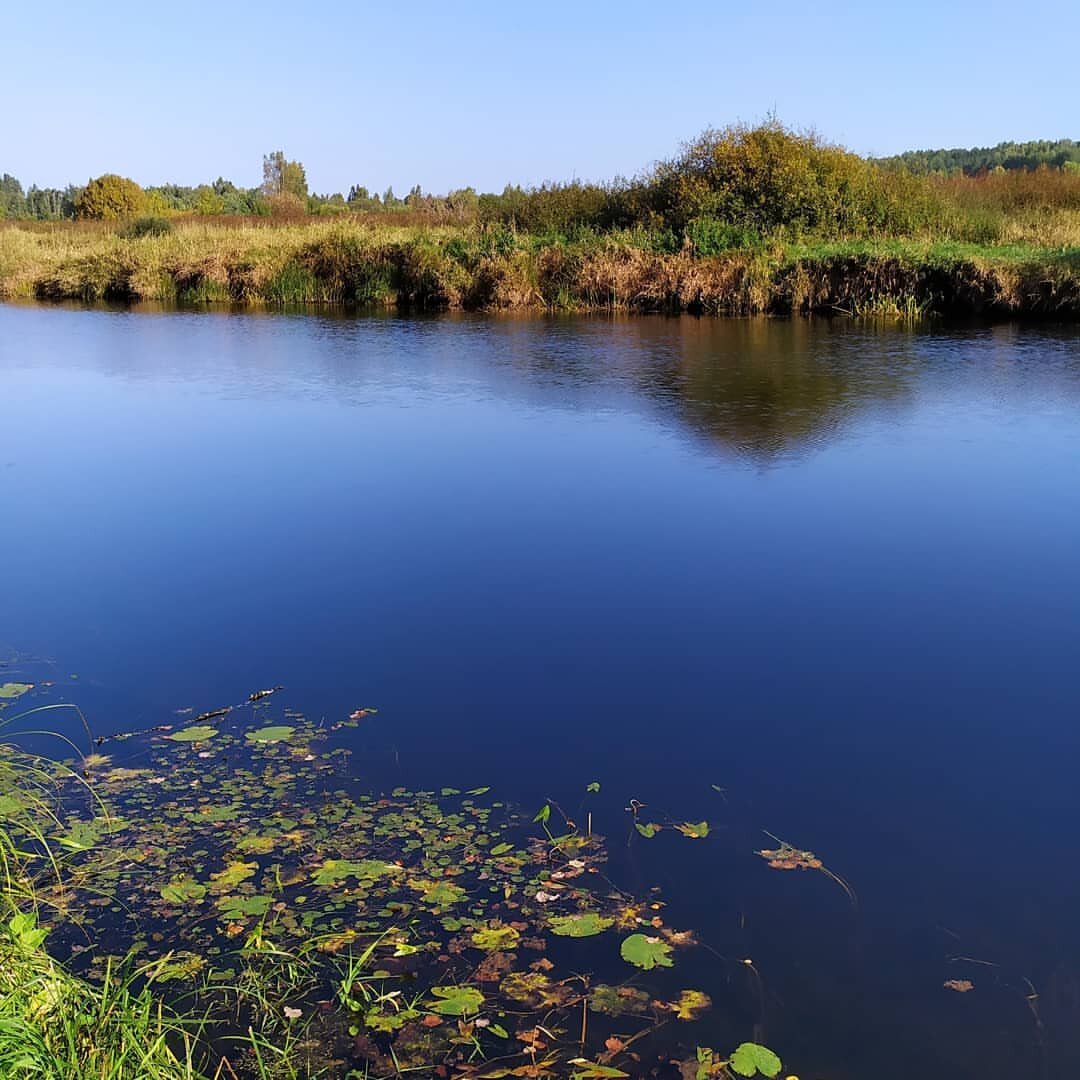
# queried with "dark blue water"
point(830, 568)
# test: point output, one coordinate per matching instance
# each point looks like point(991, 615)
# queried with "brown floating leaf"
point(961, 986)
point(787, 857)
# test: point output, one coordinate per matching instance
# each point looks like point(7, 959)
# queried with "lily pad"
point(274, 733)
point(691, 1003)
point(588, 924)
point(237, 907)
point(440, 894)
point(198, 733)
point(183, 891)
point(456, 1000)
point(226, 880)
point(646, 952)
point(696, 830)
point(750, 1059)
point(618, 1000)
point(334, 871)
point(11, 690)
point(496, 938)
point(649, 830)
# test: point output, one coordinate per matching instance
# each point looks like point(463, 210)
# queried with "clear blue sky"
point(451, 94)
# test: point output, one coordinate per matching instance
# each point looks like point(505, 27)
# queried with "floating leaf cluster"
point(276, 884)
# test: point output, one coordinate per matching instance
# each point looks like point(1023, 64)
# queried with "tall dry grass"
point(1032, 267)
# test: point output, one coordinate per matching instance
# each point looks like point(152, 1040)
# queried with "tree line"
point(735, 187)
point(284, 191)
point(1061, 154)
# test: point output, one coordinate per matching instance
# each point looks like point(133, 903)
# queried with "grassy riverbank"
point(490, 268)
point(742, 221)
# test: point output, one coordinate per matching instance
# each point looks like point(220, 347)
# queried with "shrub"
point(710, 237)
point(286, 205)
point(552, 209)
point(147, 226)
point(110, 198)
point(769, 179)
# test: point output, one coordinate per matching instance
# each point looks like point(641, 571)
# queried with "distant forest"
point(285, 189)
point(1006, 156)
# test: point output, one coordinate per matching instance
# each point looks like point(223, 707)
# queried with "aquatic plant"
point(259, 882)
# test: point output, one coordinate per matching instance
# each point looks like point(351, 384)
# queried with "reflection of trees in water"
point(765, 388)
point(759, 387)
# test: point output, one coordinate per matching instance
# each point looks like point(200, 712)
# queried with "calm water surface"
point(831, 568)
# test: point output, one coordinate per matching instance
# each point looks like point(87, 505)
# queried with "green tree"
point(45, 204)
point(208, 201)
point(282, 177)
point(110, 198)
point(12, 199)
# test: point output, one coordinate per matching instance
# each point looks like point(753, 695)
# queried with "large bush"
point(553, 209)
point(110, 198)
point(769, 179)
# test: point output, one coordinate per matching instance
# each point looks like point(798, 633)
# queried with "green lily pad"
point(501, 849)
point(646, 952)
point(274, 733)
point(456, 1000)
point(440, 894)
point(618, 1000)
point(11, 690)
point(226, 880)
point(750, 1059)
point(198, 733)
point(334, 871)
point(648, 830)
point(696, 830)
point(691, 1003)
point(182, 965)
point(256, 845)
point(588, 924)
point(183, 890)
point(239, 907)
point(496, 938)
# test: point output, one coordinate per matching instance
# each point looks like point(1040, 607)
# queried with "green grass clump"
point(55, 1026)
